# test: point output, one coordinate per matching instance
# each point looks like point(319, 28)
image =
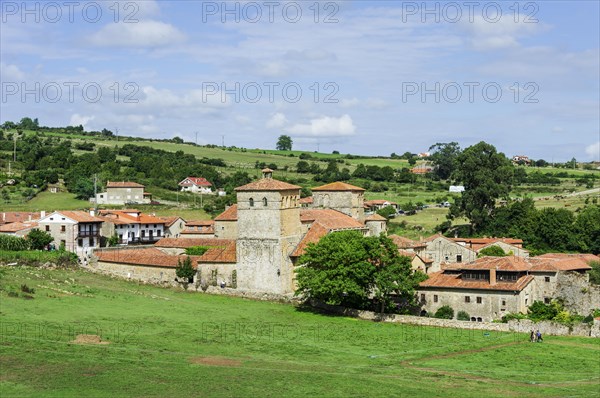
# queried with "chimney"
point(92, 213)
point(267, 173)
point(493, 277)
point(42, 213)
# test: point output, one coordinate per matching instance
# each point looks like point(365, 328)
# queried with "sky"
point(361, 77)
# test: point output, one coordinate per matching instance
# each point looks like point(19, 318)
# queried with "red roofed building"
point(77, 231)
point(196, 185)
point(491, 287)
point(132, 226)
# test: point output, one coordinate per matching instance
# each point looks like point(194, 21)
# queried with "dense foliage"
point(444, 312)
point(185, 270)
point(346, 268)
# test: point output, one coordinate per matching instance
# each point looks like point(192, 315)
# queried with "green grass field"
point(165, 342)
point(49, 202)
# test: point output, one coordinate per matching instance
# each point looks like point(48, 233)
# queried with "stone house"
point(196, 185)
point(225, 224)
point(121, 193)
point(507, 244)
point(78, 231)
point(340, 196)
point(173, 225)
point(491, 287)
point(444, 250)
point(371, 206)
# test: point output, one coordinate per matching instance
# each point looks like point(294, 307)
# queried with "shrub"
point(13, 243)
point(445, 312)
point(196, 250)
point(184, 269)
point(493, 251)
point(38, 239)
point(539, 311)
point(27, 289)
point(463, 316)
point(510, 317)
point(595, 272)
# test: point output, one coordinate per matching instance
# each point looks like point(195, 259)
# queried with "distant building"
point(132, 226)
point(456, 188)
point(199, 229)
point(196, 185)
point(371, 206)
point(20, 229)
point(421, 169)
point(521, 159)
point(424, 154)
point(78, 231)
point(121, 193)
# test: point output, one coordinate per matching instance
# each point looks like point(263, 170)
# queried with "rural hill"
point(147, 267)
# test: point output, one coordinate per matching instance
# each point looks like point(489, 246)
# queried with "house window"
point(63, 228)
point(423, 297)
point(251, 201)
point(479, 300)
point(459, 258)
point(547, 300)
point(154, 225)
point(504, 302)
point(80, 242)
point(264, 200)
point(158, 232)
point(546, 279)
point(143, 233)
point(47, 228)
point(467, 299)
point(435, 298)
point(91, 242)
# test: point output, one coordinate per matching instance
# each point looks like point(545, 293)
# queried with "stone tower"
point(269, 229)
point(346, 198)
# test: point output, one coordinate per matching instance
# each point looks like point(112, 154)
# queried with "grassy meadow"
point(166, 342)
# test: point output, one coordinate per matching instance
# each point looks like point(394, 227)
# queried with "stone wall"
point(141, 273)
point(519, 326)
point(577, 293)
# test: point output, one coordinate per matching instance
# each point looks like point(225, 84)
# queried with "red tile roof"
point(182, 243)
point(80, 216)
point(550, 263)
point(307, 200)
point(478, 243)
point(123, 184)
point(146, 256)
point(17, 226)
point(220, 254)
point(199, 181)
point(268, 184)
point(15, 216)
point(454, 281)
point(406, 243)
point(230, 214)
point(375, 217)
point(330, 219)
point(314, 235)
point(121, 217)
point(378, 202)
point(199, 223)
point(170, 220)
point(338, 186)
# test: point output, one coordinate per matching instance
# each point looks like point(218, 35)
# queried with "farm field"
point(167, 342)
point(47, 201)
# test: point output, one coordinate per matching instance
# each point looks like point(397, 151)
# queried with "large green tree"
point(38, 239)
point(487, 176)
point(346, 268)
point(284, 143)
point(444, 158)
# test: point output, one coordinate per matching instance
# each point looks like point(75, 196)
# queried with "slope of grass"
point(164, 342)
point(49, 202)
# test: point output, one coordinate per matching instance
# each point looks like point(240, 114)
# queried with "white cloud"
point(324, 126)
point(349, 102)
point(277, 121)
point(77, 119)
point(593, 151)
point(143, 34)
point(505, 33)
point(10, 72)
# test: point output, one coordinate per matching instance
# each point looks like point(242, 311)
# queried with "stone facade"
point(142, 273)
point(268, 231)
point(341, 197)
point(120, 193)
point(577, 294)
point(443, 250)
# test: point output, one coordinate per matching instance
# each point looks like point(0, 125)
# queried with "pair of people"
point(535, 337)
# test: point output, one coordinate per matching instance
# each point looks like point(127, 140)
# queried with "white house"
point(78, 231)
point(132, 226)
point(197, 185)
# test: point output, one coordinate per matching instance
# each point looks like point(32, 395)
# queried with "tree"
point(302, 166)
point(486, 175)
point(386, 211)
point(463, 316)
point(113, 240)
point(492, 251)
point(444, 312)
point(284, 143)
point(184, 269)
point(345, 268)
point(443, 156)
point(38, 239)
point(595, 272)
point(587, 229)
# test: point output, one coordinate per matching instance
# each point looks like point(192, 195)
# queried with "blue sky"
point(375, 77)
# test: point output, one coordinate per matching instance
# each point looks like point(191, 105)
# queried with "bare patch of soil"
point(89, 339)
point(216, 361)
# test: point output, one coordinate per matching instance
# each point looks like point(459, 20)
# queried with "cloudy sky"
point(362, 77)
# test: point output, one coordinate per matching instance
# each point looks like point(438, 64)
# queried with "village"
point(252, 248)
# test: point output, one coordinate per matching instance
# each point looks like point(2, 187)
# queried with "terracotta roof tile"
point(375, 217)
point(17, 226)
point(145, 256)
point(268, 184)
point(314, 235)
point(478, 243)
point(406, 243)
point(338, 186)
point(230, 214)
point(14, 216)
point(450, 280)
point(550, 263)
point(199, 181)
point(199, 223)
point(220, 254)
point(307, 200)
point(80, 216)
point(182, 243)
point(330, 219)
point(170, 220)
point(123, 184)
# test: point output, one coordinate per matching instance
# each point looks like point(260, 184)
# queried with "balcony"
point(88, 234)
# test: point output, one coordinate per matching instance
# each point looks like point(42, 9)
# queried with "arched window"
point(264, 201)
point(251, 202)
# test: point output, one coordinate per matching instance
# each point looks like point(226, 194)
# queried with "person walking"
point(532, 336)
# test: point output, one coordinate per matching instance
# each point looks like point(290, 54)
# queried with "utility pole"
point(117, 133)
point(95, 193)
point(223, 141)
point(15, 146)
point(196, 138)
